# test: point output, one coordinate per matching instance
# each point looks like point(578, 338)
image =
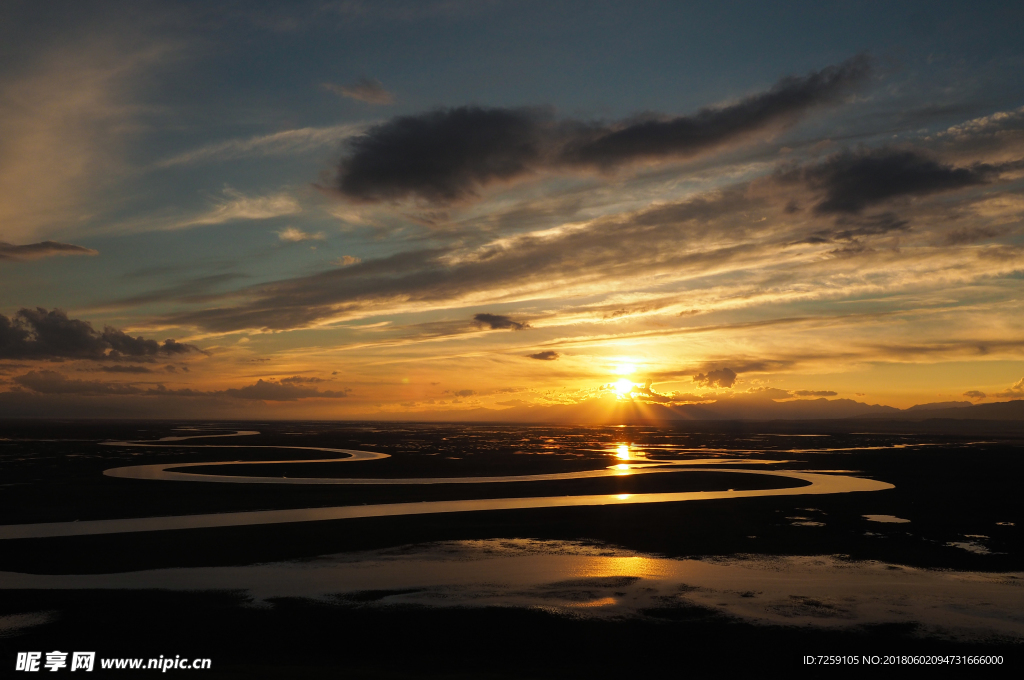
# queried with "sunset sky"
point(409, 209)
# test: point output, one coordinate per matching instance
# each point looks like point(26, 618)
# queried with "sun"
point(623, 387)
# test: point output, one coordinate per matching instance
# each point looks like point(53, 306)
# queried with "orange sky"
point(340, 219)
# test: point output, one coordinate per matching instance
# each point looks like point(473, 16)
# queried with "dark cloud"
point(123, 344)
point(722, 377)
point(261, 390)
point(51, 382)
point(264, 390)
point(874, 225)
point(161, 391)
point(852, 227)
point(815, 393)
point(125, 369)
point(965, 235)
point(974, 394)
point(460, 393)
point(686, 136)
point(853, 250)
point(499, 322)
point(35, 251)
point(448, 154)
point(715, 371)
point(300, 380)
point(365, 90)
point(41, 334)
point(442, 155)
point(627, 311)
point(547, 355)
point(36, 333)
point(852, 181)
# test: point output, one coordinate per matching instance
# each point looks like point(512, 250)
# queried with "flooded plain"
point(771, 538)
point(583, 580)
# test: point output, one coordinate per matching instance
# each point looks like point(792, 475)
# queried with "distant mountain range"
point(744, 406)
point(1002, 410)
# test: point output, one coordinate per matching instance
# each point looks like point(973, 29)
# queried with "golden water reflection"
point(601, 602)
point(814, 484)
point(601, 581)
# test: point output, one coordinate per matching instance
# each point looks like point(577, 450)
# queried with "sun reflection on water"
point(632, 566)
point(602, 602)
point(581, 579)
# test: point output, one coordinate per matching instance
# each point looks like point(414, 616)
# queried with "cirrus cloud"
point(1015, 391)
point(295, 235)
point(366, 90)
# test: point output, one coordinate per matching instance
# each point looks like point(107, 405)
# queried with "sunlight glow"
point(622, 451)
point(624, 387)
point(625, 369)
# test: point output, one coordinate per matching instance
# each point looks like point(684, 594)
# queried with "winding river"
point(814, 483)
